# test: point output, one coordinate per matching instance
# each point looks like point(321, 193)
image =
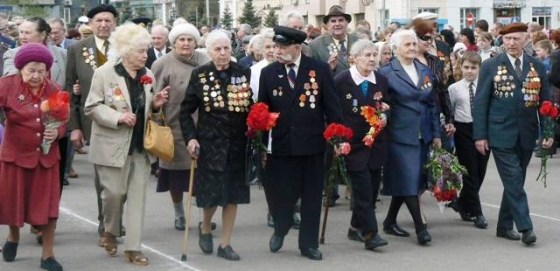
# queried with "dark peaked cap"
point(102, 8)
point(287, 36)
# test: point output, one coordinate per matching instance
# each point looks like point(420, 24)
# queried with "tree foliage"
point(271, 19)
point(227, 18)
point(249, 16)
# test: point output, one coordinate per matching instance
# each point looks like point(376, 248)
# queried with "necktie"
point(343, 52)
point(518, 67)
point(106, 47)
point(364, 86)
point(292, 75)
point(159, 54)
point(471, 96)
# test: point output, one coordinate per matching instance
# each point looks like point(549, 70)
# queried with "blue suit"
point(506, 114)
point(412, 125)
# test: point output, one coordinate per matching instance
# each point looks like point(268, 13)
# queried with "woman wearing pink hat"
point(30, 179)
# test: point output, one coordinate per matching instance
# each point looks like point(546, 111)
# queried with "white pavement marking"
point(71, 213)
point(533, 214)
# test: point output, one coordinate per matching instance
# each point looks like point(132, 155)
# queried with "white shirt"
point(156, 51)
point(296, 67)
point(412, 72)
point(461, 101)
point(255, 77)
point(512, 60)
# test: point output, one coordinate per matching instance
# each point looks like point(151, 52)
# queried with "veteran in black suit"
point(220, 91)
point(160, 36)
point(356, 87)
point(301, 90)
point(510, 89)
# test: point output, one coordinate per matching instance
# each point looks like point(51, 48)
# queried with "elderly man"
point(294, 19)
point(333, 47)
point(495, 31)
point(294, 168)
point(506, 120)
point(58, 33)
point(84, 57)
point(159, 47)
point(244, 30)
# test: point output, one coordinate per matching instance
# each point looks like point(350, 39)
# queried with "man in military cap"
point(84, 56)
point(334, 46)
point(142, 21)
point(511, 86)
point(301, 89)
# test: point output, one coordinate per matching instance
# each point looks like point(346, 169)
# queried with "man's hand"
point(482, 146)
point(76, 88)
point(449, 129)
point(333, 59)
point(436, 142)
point(77, 138)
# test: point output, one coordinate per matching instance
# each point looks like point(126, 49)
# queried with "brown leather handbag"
point(158, 139)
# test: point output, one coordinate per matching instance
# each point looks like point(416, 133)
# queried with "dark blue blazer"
point(351, 100)
point(410, 102)
point(299, 129)
point(505, 120)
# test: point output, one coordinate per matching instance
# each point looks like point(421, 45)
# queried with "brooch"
point(21, 97)
point(427, 83)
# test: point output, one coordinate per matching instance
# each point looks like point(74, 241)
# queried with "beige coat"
point(174, 70)
point(104, 105)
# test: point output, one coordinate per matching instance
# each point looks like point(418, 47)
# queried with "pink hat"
point(33, 52)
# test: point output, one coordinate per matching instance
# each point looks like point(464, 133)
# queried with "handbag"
point(158, 139)
point(253, 166)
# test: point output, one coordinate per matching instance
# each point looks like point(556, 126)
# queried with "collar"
point(512, 59)
point(99, 43)
point(467, 82)
point(359, 78)
point(163, 50)
point(297, 62)
point(336, 42)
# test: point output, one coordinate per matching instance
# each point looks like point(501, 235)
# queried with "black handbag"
point(253, 166)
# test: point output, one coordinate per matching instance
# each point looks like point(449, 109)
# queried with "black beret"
point(102, 8)
point(142, 20)
point(287, 36)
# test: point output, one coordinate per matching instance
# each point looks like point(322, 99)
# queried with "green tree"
point(249, 15)
point(227, 19)
point(271, 19)
point(125, 12)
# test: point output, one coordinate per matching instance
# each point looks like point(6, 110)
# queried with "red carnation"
point(146, 79)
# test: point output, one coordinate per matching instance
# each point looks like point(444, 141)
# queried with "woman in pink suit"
point(30, 179)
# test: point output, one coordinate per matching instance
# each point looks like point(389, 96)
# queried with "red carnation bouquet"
point(445, 176)
point(338, 135)
point(56, 111)
point(374, 118)
point(259, 120)
point(549, 112)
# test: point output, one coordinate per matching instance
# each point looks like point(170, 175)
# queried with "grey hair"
point(246, 28)
point(57, 20)
point(292, 14)
point(215, 35)
point(360, 46)
point(362, 33)
point(398, 36)
point(258, 41)
point(161, 28)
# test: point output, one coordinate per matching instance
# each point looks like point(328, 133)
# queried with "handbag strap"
point(162, 116)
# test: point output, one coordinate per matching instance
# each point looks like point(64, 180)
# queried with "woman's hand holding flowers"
point(50, 135)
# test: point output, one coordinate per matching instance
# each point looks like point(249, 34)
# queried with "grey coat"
point(174, 70)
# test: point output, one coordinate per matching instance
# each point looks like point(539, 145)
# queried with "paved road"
point(456, 245)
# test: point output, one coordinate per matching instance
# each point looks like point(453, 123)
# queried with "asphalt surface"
point(456, 245)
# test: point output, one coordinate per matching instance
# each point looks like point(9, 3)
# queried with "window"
point(464, 15)
point(383, 18)
point(67, 17)
point(542, 15)
point(432, 10)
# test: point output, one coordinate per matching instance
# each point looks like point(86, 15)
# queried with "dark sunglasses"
point(426, 38)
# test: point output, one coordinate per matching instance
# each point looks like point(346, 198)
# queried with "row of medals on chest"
point(311, 90)
point(503, 83)
point(238, 94)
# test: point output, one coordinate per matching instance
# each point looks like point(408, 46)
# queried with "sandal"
point(136, 257)
point(110, 244)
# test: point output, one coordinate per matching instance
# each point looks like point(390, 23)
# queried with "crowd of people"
point(470, 92)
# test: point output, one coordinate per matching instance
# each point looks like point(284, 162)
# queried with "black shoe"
point(122, 231)
point(396, 230)
point(205, 242)
point(480, 222)
point(374, 242)
point(65, 182)
point(508, 234)
point(528, 237)
point(465, 216)
point(297, 221)
point(356, 235)
point(276, 243)
point(424, 237)
point(269, 220)
point(9, 251)
point(212, 225)
point(51, 264)
point(312, 253)
point(228, 253)
point(180, 223)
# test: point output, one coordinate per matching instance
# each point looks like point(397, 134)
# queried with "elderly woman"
point(362, 86)
point(119, 103)
point(266, 46)
point(413, 126)
point(255, 53)
point(384, 52)
point(220, 92)
point(30, 179)
point(174, 70)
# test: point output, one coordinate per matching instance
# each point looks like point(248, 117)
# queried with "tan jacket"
point(107, 100)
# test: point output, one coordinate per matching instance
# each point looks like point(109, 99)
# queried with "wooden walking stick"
point(188, 215)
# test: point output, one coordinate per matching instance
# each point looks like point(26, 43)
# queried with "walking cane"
point(188, 218)
point(327, 203)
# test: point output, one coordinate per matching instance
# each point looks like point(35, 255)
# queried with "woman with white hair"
point(220, 91)
point(412, 128)
point(119, 103)
point(361, 86)
point(254, 50)
point(174, 70)
point(267, 50)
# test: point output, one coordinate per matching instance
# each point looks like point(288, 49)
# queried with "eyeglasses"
point(426, 38)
